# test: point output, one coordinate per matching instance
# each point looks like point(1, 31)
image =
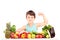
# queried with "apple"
point(23, 35)
point(20, 35)
point(24, 32)
point(12, 35)
point(33, 35)
point(15, 36)
point(28, 35)
point(17, 33)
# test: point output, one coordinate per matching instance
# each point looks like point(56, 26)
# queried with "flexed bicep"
point(44, 22)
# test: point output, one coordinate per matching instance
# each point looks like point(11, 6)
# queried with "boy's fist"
point(41, 14)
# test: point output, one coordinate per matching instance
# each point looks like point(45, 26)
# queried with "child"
point(31, 26)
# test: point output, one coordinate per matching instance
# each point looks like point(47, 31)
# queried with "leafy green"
point(33, 32)
point(49, 26)
point(45, 32)
point(45, 28)
point(13, 28)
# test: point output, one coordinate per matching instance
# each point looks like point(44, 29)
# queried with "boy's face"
point(30, 18)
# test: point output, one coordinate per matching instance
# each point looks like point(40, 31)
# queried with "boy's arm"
point(21, 29)
point(44, 22)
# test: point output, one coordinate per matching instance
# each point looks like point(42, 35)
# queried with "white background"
point(14, 11)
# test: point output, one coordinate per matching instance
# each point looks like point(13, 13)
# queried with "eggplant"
point(52, 32)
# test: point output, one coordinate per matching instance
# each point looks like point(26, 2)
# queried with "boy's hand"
point(17, 31)
point(41, 14)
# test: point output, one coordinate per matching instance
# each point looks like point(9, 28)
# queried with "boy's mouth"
point(30, 20)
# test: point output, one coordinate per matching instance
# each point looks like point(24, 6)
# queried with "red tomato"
point(41, 36)
point(37, 36)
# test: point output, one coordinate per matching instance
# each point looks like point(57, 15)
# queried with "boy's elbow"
point(18, 30)
point(46, 22)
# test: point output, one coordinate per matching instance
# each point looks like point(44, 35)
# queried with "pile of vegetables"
point(47, 32)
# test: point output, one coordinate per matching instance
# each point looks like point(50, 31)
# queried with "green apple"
point(33, 35)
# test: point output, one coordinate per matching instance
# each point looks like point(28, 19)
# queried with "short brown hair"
point(30, 12)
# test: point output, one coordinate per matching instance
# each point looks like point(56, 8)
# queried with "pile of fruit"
point(47, 32)
point(26, 35)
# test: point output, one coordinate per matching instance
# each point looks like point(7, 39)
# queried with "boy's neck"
point(30, 24)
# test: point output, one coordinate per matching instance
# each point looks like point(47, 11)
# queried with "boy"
point(31, 26)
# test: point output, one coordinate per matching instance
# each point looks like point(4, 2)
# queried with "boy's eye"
point(28, 17)
point(31, 17)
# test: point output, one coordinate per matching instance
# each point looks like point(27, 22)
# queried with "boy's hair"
point(30, 12)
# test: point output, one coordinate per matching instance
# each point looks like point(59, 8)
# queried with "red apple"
point(20, 35)
point(24, 32)
point(23, 35)
point(17, 34)
point(12, 35)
